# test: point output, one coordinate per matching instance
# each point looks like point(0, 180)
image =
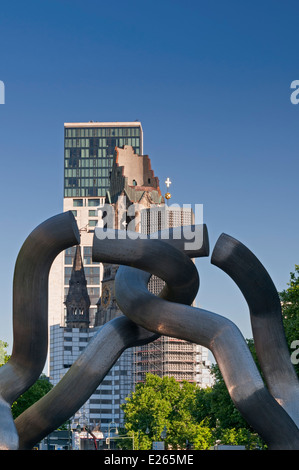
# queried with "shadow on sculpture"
point(271, 409)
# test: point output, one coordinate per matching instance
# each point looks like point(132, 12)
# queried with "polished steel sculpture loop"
point(271, 408)
point(30, 314)
point(266, 319)
point(88, 371)
point(272, 413)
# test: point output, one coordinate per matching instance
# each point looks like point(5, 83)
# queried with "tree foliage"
point(3, 353)
point(191, 415)
point(33, 394)
point(162, 402)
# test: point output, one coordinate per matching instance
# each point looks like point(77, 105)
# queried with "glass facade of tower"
point(88, 155)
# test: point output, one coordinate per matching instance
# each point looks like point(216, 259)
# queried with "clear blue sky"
point(210, 82)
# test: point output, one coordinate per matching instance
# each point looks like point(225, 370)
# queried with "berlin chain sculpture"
point(271, 408)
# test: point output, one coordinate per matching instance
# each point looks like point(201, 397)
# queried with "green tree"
point(32, 395)
point(215, 406)
point(3, 352)
point(162, 402)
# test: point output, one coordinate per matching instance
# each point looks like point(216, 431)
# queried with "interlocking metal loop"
point(88, 371)
point(271, 409)
point(272, 413)
point(30, 315)
point(263, 301)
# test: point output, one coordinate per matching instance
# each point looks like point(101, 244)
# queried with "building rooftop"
point(103, 124)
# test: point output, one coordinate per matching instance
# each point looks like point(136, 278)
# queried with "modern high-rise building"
point(89, 150)
point(88, 154)
point(104, 164)
point(88, 159)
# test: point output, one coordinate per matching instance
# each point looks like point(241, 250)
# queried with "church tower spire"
point(77, 301)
